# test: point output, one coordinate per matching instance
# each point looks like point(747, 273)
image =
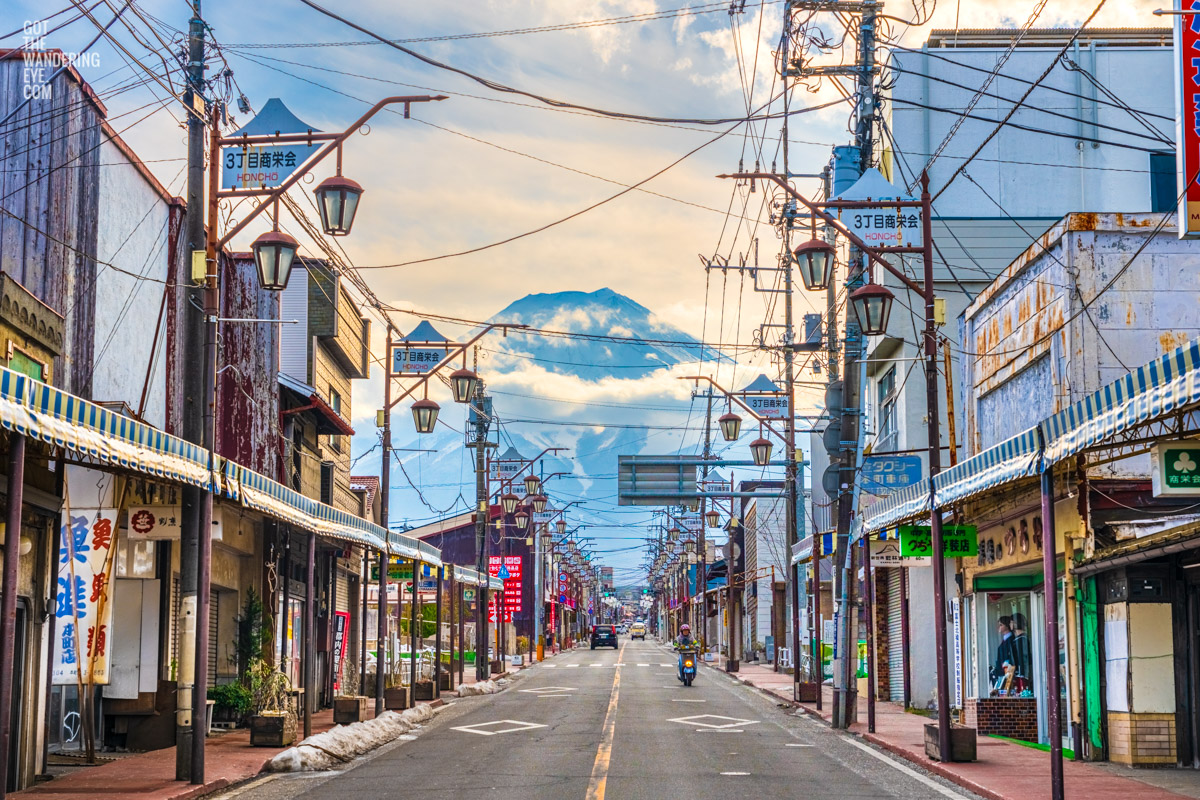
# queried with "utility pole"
point(701, 619)
point(482, 665)
point(845, 702)
point(383, 608)
point(193, 422)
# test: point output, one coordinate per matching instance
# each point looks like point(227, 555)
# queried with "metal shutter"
point(214, 604)
point(895, 635)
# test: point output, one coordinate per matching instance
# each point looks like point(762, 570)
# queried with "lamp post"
point(274, 253)
point(872, 306)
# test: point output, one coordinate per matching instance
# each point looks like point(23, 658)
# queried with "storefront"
point(1003, 623)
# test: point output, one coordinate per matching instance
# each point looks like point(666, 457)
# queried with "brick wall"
point(1141, 738)
point(883, 667)
point(1014, 717)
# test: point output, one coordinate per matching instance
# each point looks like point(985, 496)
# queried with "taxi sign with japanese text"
point(888, 473)
point(957, 540)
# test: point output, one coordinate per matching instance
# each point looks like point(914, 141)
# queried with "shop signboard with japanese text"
point(508, 569)
point(886, 553)
point(1175, 468)
point(771, 406)
point(341, 622)
point(408, 361)
point(885, 474)
point(957, 540)
point(83, 606)
point(1187, 118)
point(261, 167)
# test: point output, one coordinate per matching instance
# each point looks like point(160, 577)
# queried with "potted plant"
point(395, 696)
point(349, 706)
point(232, 703)
point(272, 723)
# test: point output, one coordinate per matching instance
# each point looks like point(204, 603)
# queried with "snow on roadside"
point(343, 743)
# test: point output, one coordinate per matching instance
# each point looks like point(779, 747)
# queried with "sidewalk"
point(229, 760)
point(1004, 771)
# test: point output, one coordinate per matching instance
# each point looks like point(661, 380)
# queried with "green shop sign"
point(957, 540)
point(396, 572)
point(1175, 468)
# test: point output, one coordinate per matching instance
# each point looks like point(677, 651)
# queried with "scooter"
point(689, 666)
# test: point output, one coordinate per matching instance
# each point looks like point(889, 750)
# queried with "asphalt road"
point(618, 725)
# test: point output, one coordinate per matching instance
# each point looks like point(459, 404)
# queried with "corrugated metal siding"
point(294, 339)
point(895, 635)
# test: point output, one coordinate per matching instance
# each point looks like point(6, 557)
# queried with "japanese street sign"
point(83, 606)
point(957, 540)
point(414, 361)
point(263, 167)
point(766, 405)
point(341, 623)
point(1187, 115)
point(881, 225)
point(1175, 468)
point(154, 522)
point(508, 569)
point(886, 553)
point(888, 473)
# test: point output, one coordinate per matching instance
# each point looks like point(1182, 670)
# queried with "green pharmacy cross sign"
point(1176, 468)
point(957, 540)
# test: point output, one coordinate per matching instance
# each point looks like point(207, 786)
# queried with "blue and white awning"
point(1153, 391)
point(902, 505)
point(59, 418)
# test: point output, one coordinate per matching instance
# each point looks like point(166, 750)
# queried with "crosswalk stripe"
point(643, 665)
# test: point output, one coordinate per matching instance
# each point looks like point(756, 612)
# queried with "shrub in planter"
point(233, 702)
point(272, 723)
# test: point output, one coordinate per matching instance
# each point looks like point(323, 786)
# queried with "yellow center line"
point(604, 753)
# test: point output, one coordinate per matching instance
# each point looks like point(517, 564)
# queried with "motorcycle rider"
point(684, 641)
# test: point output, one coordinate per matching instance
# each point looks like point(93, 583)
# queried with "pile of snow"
point(344, 742)
point(483, 687)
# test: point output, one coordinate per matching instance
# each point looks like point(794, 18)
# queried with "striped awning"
point(42, 412)
point(1153, 390)
point(1011, 459)
point(900, 506)
point(473, 578)
point(59, 418)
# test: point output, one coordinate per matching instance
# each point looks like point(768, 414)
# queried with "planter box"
point(395, 699)
point(807, 691)
point(446, 679)
point(272, 730)
point(962, 743)
point(423, 690)
point(497, 666)
point(349, 709)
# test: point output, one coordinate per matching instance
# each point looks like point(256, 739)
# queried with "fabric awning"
point(1011, 459)
point(43, 412)
point(473, 578)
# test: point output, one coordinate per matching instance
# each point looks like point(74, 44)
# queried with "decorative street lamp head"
point(689, 546)
point(814, 258)
point(760, 451)
point(538, 501)
point(561, 525)
point(731, 426)
point(673, 533)
point(274, 252)
point(463, 383)
point(522, 520)
point(337, 199)
point(425, 414)
point(571, 546)
point(531, 484)
point(713, 518)
point(872, 304)
point(508, 502)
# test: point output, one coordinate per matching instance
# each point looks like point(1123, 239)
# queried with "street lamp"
point(545, 539)
point(760, 450)
point(531, 483)
point(425, 414)
point(673, 533)
point(337, 200)
point(538, 501)
point(814, 258)
point(522, 520)
point(731, 426)
point(462, 384)
point(713, 518)
point(561, 525)
point(872, 304)
point(508, 502)
point(274, 252)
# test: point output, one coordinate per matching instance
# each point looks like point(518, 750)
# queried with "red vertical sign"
point(341, 623)
point(1187, 70)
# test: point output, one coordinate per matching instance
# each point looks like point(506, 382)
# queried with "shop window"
point(1009, 646)
point(887, 439)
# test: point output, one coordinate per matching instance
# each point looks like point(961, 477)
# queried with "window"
point(886, 429)
point(335, 401)
point(1162, 182)
point(22, 362)
point(327, 481)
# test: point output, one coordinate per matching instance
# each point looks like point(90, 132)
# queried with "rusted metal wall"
point(1051, 330)
point(49, 155)
point(248, 429)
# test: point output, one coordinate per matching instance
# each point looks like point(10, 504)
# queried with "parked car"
point(604, 635)
point(638, 631)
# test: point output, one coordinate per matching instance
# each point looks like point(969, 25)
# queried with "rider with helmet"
point(684, 641)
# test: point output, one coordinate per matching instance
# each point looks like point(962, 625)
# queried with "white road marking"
point(546, 689)
point(722, 730)
point(668, 665)
point(597, 665)
point(801, 745)
point(540, 696)
point(516, 725)
point(680, 700)
point(912, 773)
point(549, 666)
point(730, 722)
point(643, 665)
point(735, 773)
point(572, 665)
